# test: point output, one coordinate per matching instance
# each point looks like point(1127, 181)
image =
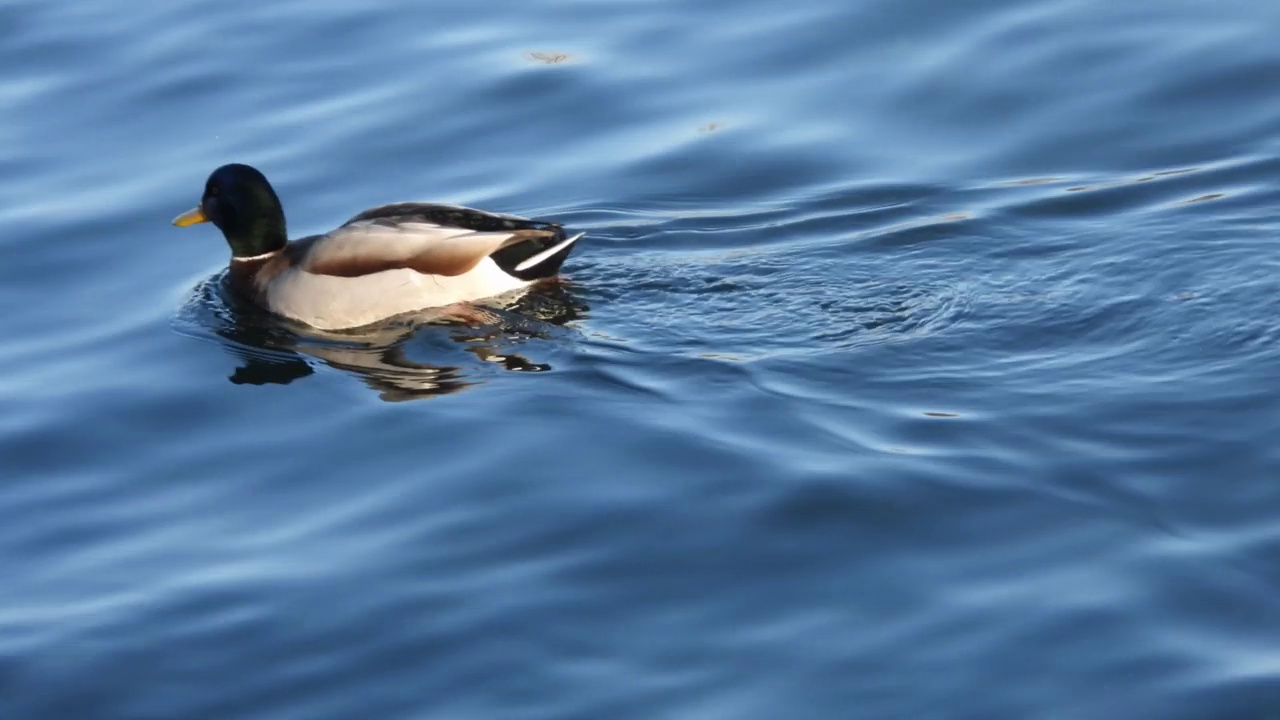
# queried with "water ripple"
point(920, 359)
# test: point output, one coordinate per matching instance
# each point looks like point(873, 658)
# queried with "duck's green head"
point(240, 201)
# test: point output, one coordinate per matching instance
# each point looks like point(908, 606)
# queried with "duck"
point(386, 261)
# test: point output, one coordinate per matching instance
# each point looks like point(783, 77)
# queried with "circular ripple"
point(752, 305)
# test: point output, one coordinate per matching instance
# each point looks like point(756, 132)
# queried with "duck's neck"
point(262, 236)
point(245, 269)
point(248, 275)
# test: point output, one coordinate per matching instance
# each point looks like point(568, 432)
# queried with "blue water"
point(922, 361)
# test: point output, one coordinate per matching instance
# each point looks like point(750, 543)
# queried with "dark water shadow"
point(410, 357)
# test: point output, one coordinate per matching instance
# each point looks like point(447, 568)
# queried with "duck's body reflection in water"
point(276, 351)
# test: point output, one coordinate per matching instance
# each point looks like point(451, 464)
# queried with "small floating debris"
point(548, 58)
point(1203, 198)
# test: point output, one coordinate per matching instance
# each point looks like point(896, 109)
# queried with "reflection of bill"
point(381, 356)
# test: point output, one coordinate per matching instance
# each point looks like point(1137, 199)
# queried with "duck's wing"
point(454, 216)
point(431, 239)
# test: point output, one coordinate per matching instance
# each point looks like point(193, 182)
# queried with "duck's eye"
point(212, 191)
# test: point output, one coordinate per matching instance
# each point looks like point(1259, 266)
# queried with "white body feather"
point(330, 302)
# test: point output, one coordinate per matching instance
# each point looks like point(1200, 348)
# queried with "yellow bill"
point(191, 217)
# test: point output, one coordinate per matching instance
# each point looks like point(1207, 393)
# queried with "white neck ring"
point(252, 258)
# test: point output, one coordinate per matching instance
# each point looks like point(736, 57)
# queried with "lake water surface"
point(922, 361)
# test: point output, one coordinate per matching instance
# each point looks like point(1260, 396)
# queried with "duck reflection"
point(272, 351)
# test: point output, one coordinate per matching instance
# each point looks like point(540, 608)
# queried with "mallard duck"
point(386, 261)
